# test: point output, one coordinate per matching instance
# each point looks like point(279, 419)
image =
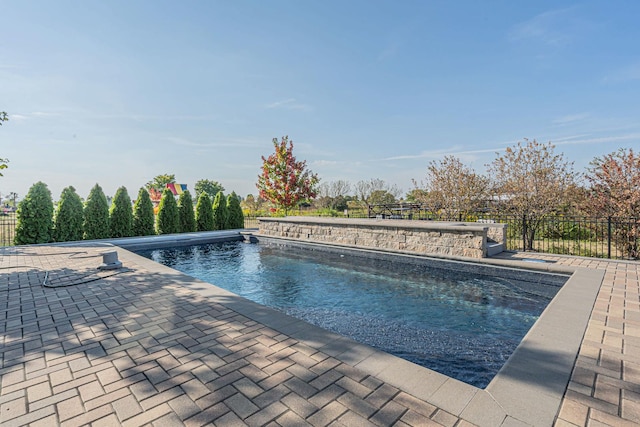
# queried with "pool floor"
point(461, 324)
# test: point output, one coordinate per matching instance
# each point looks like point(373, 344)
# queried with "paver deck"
point(147, 345)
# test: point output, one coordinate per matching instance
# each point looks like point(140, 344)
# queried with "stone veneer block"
point(417, 237)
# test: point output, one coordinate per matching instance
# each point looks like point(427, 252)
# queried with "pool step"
point(494, 248)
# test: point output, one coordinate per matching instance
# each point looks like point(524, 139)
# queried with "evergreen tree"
point(220, 212)
point(185, 212)
point(96, 215)
point(69, 216)
point(235, 218)
point(143, 216)
point(204, 213)
point(35, 216)
point(168, 221)
point(211, 187)
point(121, 214)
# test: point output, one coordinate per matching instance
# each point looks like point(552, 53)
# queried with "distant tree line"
point(528, 180)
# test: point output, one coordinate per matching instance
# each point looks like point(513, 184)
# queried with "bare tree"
point(534, 182)
point(339, 188)
point(453, 188)
point(332, 194)
point(364, 189)
point(323, 198)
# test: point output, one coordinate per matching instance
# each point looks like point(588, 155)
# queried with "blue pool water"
point(461, 324)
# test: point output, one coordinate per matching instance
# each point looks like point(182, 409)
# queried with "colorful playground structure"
point(156, 195)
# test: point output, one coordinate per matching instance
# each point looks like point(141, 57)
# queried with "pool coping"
point(528, 390)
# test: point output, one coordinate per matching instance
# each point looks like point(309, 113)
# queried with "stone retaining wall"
point(420, 237)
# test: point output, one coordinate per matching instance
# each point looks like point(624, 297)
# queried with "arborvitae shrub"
point(69, 216)
point(96, 215)
point(121, 214)
point(235, 218)
point(168, 221)
point(204, 213)
point(185, 213)
point(143, 216)
point(220, 212)
point(35, 216)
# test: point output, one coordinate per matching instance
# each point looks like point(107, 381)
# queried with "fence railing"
point(8, 224)
point(616, 238)
point(250, 222)
point(600, 237)
point(7, 228)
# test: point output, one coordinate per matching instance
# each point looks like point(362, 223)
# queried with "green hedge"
point(204, 213)
point(121, 214)
point(168, 214)
point(35, 216)
point(96, 215)
point(69, 217)
point(143, 217)
point(235, 217)
point(186, 215)
point(220, 212)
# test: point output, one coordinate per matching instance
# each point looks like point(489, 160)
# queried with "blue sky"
point(117, 92)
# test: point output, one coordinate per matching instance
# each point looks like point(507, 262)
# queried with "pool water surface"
point(461, 324)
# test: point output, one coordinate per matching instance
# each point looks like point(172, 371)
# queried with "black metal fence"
point(616, 238)
point(600, 237)
point(8, 227)
point(250, 222)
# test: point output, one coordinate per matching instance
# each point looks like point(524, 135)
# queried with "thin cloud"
point(553, 28)
point(388, 52)
point(144, 117)
point(288, 104)
point(44, 114)
point(325, 163)
point(601, 140)
point(214, 144)
point(571, 118)
point(36, 114)
point(629, 73)
point(570, 140)
point(334, 163)
point(434, 154)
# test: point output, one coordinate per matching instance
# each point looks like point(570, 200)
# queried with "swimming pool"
point(446, 316)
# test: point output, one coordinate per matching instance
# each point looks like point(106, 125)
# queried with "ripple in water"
point(462, 325)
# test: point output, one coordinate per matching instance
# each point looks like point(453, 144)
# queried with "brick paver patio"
point(138, 347)
point(605, 384)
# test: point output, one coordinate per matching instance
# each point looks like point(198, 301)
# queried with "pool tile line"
point(139, 348)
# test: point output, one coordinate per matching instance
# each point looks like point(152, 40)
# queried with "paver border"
point(528, 389)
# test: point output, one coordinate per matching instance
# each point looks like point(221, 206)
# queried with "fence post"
point(524, 232)
point(609, 237)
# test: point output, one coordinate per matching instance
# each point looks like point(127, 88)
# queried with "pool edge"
point(514, 394)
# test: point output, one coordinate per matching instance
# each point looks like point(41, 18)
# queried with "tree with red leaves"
point(284, 181)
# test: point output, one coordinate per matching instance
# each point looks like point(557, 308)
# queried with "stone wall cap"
point(387, 223)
